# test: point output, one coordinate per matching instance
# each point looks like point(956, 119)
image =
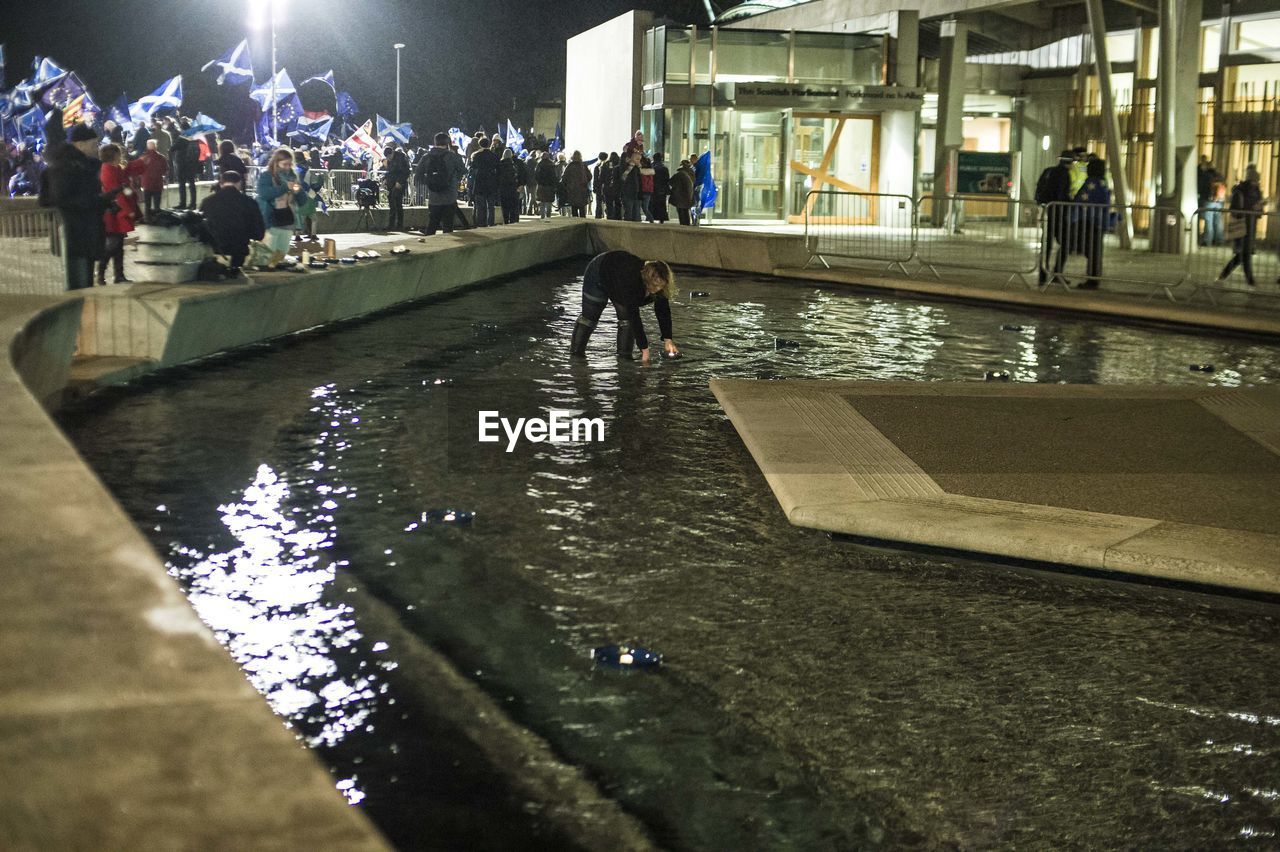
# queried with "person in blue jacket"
point(1092, 222)
point(279, 190)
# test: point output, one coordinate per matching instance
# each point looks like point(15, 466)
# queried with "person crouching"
point(233, 220)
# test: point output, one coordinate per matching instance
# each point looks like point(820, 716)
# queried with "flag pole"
point(275, 133)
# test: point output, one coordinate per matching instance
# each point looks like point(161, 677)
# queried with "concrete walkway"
point(1171, 482)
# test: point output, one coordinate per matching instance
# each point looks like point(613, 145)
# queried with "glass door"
point(833, 154)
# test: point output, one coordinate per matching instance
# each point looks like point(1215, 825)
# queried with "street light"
point(270, 11)
point(398, 47)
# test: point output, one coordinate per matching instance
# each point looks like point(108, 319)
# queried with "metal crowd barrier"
point(864, 226)
point(1079, 239)
point(1000, 234)
point(1229, 248)
point(31, 252)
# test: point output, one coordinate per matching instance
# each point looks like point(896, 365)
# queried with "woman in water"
point(629, 282)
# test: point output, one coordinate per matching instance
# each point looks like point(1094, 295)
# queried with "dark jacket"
point(682, 189)
point(620, 277)
point(628, 182)
point(484, 172)
point(232, 163)
point(577, 184)
point(233, 219)
point(661, 179)
point(397, 171)
point(509, 182)
point(545, 174)
point(185, 156)
point(1054, 184)
point(1246, 197)
point(75, 190)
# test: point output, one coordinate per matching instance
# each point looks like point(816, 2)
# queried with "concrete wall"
point(602, 84)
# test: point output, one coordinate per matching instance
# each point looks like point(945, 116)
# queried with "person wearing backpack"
point(484, 182)
point(1054, 186)
point(444, 170)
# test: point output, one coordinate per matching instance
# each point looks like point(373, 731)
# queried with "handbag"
point(1237, 225)
point(282, 217)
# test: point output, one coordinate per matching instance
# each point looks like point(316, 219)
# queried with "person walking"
point(484, 182)
point(661, 189)
point(545, 174)
point(509, 183)
point(75, 189)
point(682, 192)
point(1090, 220)
point(233, 220)
point(115, 175)
point(278, 191)
point(1052, 190)
point(1246, 206)
point(154, 169)
point(444, 170)
point(396, 180)
point(629, 283)
point(577, 185)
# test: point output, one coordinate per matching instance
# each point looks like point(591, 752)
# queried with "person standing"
point(661, 189)
point(531, 182)
point(1091, 219)
point(1246, 206)
point(75, 190)
point(1212, 213)
point(444, 170)
point(597, 183)
point(577, 185)
point(509, 184)
point(634, 145)
point(609, 175)
point(396, 181)
point(114, 175)
point(185, 157)
point(629, 188)
point(628, 282)
point(545, 174)
point(233, 219)
point(277, 191)
point(155, 167)
point(646, 189)
point(682, 192)
point(229, 160)
point(484, 182)
point(1053, 189)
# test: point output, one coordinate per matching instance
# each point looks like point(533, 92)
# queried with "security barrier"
point(31, 252)
point(1008, 233)
point(860, 226)
point(1080, 247)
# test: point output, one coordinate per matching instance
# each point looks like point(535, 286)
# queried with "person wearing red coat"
point(155, 170)
point(116, 175)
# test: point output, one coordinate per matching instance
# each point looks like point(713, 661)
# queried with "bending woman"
point(628, 282)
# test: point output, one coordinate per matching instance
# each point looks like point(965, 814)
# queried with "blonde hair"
point(661, 271)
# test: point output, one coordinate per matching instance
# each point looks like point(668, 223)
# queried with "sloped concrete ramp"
point(1181, 483)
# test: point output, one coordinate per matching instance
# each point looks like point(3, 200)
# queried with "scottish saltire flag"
point(23, 95)
point(31, 123)
point(236, 65)
point(346, 105)
point(459, 139)
point(388, 132)
point(327, 79)
point(515, 139)
point(168, 96)
point(284, 88)
point(314, 128)
point(702, 178)
point(361, 144)
point(201, 125)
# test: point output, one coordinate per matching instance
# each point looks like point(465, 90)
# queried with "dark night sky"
point(464, 58)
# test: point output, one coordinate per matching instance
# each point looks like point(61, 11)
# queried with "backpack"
point(437, 173)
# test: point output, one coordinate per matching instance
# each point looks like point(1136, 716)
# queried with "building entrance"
point(833, 152)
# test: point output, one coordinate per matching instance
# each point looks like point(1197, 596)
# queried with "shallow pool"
point(816, 694)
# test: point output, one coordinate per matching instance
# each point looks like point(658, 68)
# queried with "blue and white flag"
point(284, 88)
point(168, 96)
point(262, 131)
point(388, 132)
point(46, 71)
point(459, 139)
point(201, 125)
point(289, 112)
point(314, 128)
point(515, 139)
point(236, 65)
point(327, 79)
point(556, 143)
point(23, 95)
point(68, 87)
point(346, 105)
point(119, 113)
point(704, 184)
point(31, 123)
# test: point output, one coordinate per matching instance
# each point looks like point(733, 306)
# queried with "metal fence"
point(867, 226)
point(1068, 244)
point(31, 252)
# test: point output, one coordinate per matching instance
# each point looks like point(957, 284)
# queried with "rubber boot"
point(626, 339)
point(581, 334)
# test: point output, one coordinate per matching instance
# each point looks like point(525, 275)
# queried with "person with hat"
point(74, 189)
point(1053, 190)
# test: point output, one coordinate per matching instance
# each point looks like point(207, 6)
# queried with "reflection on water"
point(815, 695)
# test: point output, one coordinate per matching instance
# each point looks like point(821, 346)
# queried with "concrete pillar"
point(907, 60)
point(950, 133)
point(1110, 122)
point(1165, 233)
point(1186, 109)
